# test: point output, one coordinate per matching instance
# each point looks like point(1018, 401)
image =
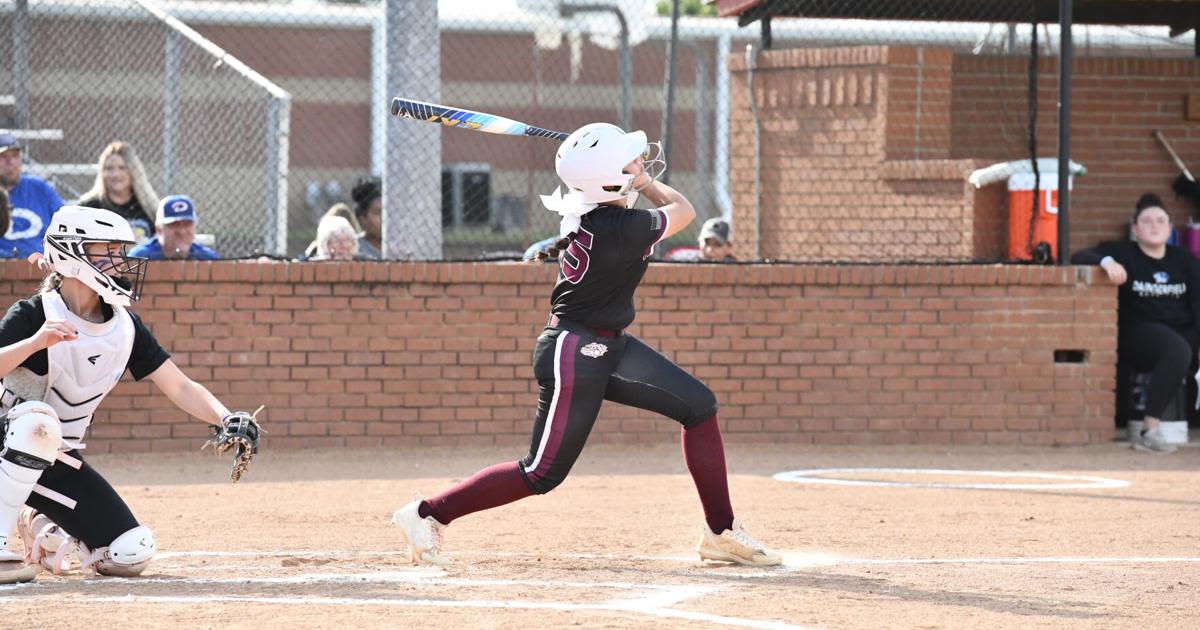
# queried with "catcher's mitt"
point(239, 429)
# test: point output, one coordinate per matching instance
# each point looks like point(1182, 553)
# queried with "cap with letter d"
point(176, 208)
point(9, 141)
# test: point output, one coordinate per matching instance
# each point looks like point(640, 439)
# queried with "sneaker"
point(735, 545)
point(1153, 441)
point(423, 535)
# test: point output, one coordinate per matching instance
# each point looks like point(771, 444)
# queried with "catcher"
point(61, 352)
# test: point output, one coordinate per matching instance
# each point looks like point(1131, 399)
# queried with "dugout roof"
point(1180, 15)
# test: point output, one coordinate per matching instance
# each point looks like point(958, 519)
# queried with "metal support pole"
point(703, 147)
point(1065, 59)
point(765, 33)
point(20, 37)
point(669, 101)
point(412, 174)
point(170, 110)
point(626, 55)
point(379, 115)
point(721, 141)
point(275, 226)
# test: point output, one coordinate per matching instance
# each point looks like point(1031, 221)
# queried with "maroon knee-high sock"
point(488, 488)
point(704, 453)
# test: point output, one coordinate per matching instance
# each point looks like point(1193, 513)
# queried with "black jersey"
point(140, 219)
point(1165, 290)
point(604, 264)
point(25, 317)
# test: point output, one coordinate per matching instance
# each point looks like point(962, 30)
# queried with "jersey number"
point(574, 261)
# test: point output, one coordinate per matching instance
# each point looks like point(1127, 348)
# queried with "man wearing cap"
point(33, 202)
point(176, 238)
point(714, 245)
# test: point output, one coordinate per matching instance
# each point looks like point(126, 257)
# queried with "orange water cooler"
point(1044, 222)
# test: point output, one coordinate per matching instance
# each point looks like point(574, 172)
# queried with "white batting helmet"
point(71, 229)
point(591, 162)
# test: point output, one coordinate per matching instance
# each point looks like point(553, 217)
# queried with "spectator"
point(336, 210)
point(1158, 308)
point(122, 187)
point(368, 208)
point(5, 211)
point(176, 223)
point(714, 244)
point(32, 200)
point(336, 239)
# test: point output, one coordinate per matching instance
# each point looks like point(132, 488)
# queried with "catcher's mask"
point(113, 274)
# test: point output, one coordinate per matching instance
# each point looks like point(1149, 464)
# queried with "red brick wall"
point(865, 150)
point(854, 148)
point(360, 354)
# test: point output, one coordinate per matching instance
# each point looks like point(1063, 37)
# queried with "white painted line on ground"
point(162, 555)
point(423, 576)
point(1079, 482)
point(1041, 560)
point(804, 559)
point(436, 603)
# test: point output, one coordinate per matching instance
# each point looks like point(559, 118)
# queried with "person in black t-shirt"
point(584, 356)
point(61, 352)
point(1158, 326)
point(122, 186)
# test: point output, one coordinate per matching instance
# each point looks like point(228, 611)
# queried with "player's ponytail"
point(51, 282)
point(553, 250)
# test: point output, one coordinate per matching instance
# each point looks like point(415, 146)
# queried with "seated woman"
point(336, 240)
point(336, 210)
point(1159, 309)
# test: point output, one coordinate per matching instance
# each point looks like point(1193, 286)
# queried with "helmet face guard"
point(113, 274)
point(654, 161)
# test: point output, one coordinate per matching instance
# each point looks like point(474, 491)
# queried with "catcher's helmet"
point(71, 229)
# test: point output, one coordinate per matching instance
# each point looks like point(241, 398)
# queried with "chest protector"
point(82, 372)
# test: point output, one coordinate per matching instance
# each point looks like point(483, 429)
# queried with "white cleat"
point(735, 545)
point(423, 535)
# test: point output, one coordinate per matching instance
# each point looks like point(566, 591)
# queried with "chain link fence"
point(82, 75)
point(271, 113)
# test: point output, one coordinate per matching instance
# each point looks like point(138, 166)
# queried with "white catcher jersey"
point(81, 372)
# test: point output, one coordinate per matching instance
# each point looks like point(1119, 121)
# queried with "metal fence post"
point(275, 231)
point(170, 109)
point(412, 184)
point(21, 63)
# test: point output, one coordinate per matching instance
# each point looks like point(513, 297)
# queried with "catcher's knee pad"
point(128, 554)
point(30, 445)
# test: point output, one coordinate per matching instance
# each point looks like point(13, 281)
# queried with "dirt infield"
point(304, 543)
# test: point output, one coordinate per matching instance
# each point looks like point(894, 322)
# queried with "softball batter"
point(584, 356)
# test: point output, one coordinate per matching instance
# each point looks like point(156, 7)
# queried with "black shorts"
point(81, 502)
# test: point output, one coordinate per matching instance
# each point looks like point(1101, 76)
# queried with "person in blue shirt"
point(175, 240)
point(33, 202)
point(539, 246)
